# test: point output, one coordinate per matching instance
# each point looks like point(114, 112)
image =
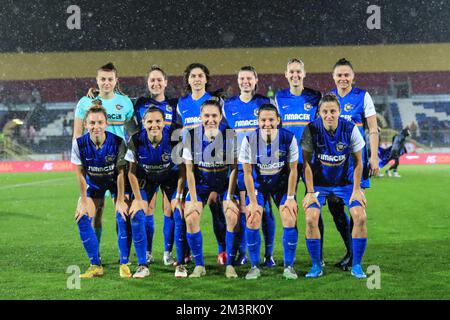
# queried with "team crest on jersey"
point(307, 106)
point(348, 107)
point(118, 107)
point(165, 157)
point(255, 112)
point(110, 158)
point(169, 108)
point(340, 146)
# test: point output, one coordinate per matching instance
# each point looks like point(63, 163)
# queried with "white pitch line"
point(33, 183)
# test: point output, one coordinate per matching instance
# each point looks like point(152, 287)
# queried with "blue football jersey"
point(188, 110)
point(270, 160)
point(154, 164)
point(297, 111)
point(143, 103)
point(331, 153)
point(211, 159)
point(242, 116)
point(356, 106)
point(101, 165)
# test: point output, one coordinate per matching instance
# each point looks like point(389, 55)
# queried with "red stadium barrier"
point(36, 166)
point(425, 158)
point(61, 165)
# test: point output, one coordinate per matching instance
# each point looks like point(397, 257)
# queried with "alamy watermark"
point(73, 22)
point(73, 280)
point(374, 277)
point(374, 20)
point(225, 149)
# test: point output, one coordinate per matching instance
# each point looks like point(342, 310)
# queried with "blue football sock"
point(232, 246)
point(149, 230)
point(122, 239)
point(89, 239)
point(313, 246)
point(179, 236)
point(139, 237)
point(243, 226)
point(98, 234)
point(219, 225)
point(168, 231)
point(268, 227)
point(195, 241)
point(253, 245)
point(290, 239)
point(359, 247)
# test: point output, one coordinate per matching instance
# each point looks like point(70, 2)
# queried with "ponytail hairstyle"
point(343, 62)
point(187, 72)
point(96, 107)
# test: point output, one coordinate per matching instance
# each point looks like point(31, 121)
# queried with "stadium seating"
point(396, 116)
point(431, 113)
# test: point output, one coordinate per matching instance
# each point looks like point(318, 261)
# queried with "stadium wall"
point(62, 165)
point(66, 90)
point(59, 75)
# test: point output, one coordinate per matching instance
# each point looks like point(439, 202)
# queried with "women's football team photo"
point(246, 157)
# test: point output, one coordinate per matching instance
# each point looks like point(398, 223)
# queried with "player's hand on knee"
point(176, 204)
point(254, 210)
point(85, 206)
point(290, 209)
point(230, 205)
point(292, 205)
point(309, 199)
point(358, 195)
point(122, 208)
point(138, 205)
point(191, 207)
point(80, 211)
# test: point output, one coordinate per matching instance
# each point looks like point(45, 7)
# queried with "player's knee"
point(312, 218)
point(167, 208)
point(168, 214)
point(361, 222)
point(193, 220)
point(359, 217)
point(287, 219)
point(254, 223)
point(231, 219)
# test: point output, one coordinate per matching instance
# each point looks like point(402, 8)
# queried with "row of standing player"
point(297, 106)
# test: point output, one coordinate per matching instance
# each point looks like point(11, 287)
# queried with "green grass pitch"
point(408, 227)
